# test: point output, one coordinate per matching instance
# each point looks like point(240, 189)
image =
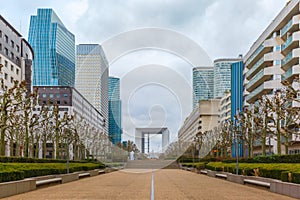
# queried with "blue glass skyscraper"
point(203, 84)
point(54, 48)
point(114, 110)
point(237, 89)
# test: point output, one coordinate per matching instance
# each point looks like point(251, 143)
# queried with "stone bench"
point(101, 172)
point(258, 183)
point(223, 176)
point(84, 175)
point(48, 182)
point(203, 172)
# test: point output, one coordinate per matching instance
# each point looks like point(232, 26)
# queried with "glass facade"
point(222, 76)
point(203, 84)
point(114, 110)
point(92, 77)
point(54, 48)
point(237, 89)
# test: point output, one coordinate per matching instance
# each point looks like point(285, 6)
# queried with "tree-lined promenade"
point(168, 184)
point(274, 118)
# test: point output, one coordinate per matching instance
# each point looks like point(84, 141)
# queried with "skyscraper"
point(203, 84)
point(237, 90)
point(92, 77)
point(54, 48)
point(222, 76)
point(115, 110)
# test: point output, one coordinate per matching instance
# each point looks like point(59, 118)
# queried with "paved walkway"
point(168, 184)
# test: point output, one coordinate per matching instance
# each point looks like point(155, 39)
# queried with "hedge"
point(275, 170)
point(37, 160)
point(268, 159)
point(18, 171)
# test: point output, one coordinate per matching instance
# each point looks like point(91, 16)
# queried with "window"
point(65, 102)
point(12, 44)
point(18, 48)
point(11, 67)
point(12, 55)
point(0, 34)
point(0, 47)
point(11, 79)
point(6, 38)
point(44, 95)
point(26, 56)
point(57, 95)
point(51, 95)
point(58, 102)
point(5, 76)
point(6, 51)
point(17, 71)
point(44, 102)
point(65, 95)
point(5, 63)
point(18, 60)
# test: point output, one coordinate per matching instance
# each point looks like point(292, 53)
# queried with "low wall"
point(68, 177)
point(289, 189)
point(17, 187)
point(235, 178)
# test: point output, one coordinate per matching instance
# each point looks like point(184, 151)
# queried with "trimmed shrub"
point(285, 176)
point(296, 177)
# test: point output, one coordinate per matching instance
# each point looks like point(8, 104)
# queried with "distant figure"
point(131, 155)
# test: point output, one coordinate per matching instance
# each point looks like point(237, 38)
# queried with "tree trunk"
point(278, 135)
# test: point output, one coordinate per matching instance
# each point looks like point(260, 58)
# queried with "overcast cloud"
point(223, 28)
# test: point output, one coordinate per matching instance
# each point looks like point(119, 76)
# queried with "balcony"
point(258, 50)
point(291, 26)
point(286, 28)
point(255, 92)
point(257, 65)
point(291, 43)
point(291, 73)
point(264, 88)
point(262, 76)
point(287, 43)
point(292, 58)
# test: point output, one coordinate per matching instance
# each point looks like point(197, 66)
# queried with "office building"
point(92, 77)
point(114, 110)
point(203, 84)
point(54, 48)
point(203, 118)
point(71, 101)
point(237, 88)
point(222, 76)
point(16, 56)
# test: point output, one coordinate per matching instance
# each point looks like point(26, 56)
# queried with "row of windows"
point(52, 95)
point(57, 102)
point(12, 43)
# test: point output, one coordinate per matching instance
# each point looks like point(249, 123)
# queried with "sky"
point(156, 85)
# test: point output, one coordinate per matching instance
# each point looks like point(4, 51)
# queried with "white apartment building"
point(274, 57)
point(225, 107)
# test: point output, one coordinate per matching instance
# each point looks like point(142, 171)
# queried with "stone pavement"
point(136, 184)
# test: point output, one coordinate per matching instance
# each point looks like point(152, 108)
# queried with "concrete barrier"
point(289, 189)
point(235, 178)
point(16, 187)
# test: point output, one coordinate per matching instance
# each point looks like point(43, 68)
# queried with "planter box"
point(16, 187)
point(68, 177)
point(289, 189)
point(211, 173)
point(235, 178)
